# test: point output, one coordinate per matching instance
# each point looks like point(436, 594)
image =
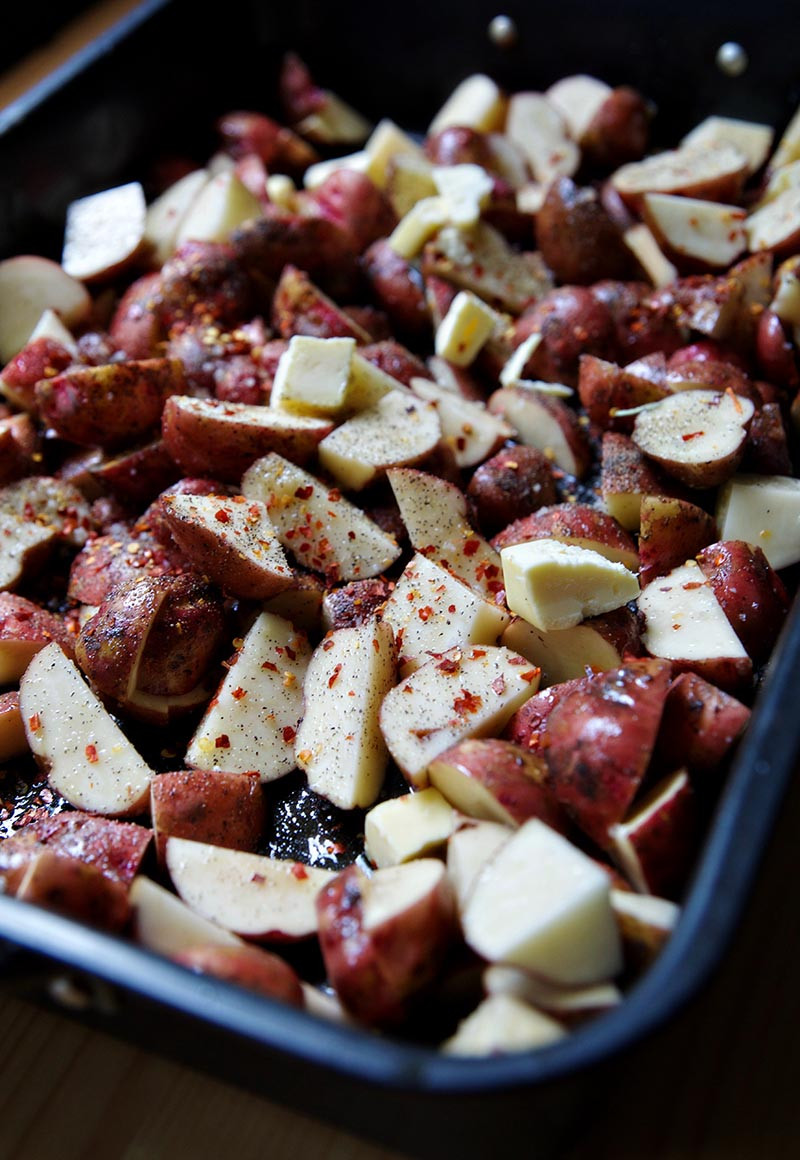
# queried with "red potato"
point(116, 557)
point(642, 323)
point(244, 132)
point(459, 145)
point(767, 451)
point(700, 726)
point(698, 437)
point(395, 360)
point(398, 289)
point(220, 439)
point(619, 130)
point(528, 726)
point(29, 285)
point(232, 541)
point(352, 604)
point(547, 423)
point(578, 524)
point(13, 741)
point(353, 202)
point(571, 322)
point(25, 628)
point(314, 244)
point(600, 739)
point(73, 887)
point(104, 233)
point(656, 844)
point(249, 967)
point(106, 406)
point(300, 307)
point(208, 282)
point(222, 809)
point(135, 326)
point(627, 477)
point(716, 172)
point(605, 389)
point(497, 781)
point(20, 447)
point(384, 937)
point(40, 358)
point(37, 514)
point(670, 531)
point(645, 922)
point(775, 351)
point(137, 475)
point(693, 233)
point(775, 227)
point(577, 237)
point(510, 485)
point(750, 592)
point(298, 94)
point(597, 644)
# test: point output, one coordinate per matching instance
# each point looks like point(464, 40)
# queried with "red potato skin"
point(355, 603)
point(136, 328)
point(398, 289)
point(396, 360)
point(528, 726)
point(510, 485)
point(572, 322)
point(570, 523)
point(671, 532)
point(110, 405)
point(600, 740)
point(665, 844)
point(551, 410)
point(244, 132)
point(20, 445)
point(206, 282)
point(314, 244)
point(642, 323)
point(247, 966)
point(299, 95)
point(577, 237)
point(353, 202)
point(750, 592)
point(378, 974)
point(77, 889)
point(514, 775)
point(222, 809)
point(41, 358)
point(625, 469)
point(13, 739)
point(24, 620)
point(775, 352)
point(154, 518)
point(767, 449)
point(136, 477)
point(619, 131)
point(459, 145)
point(700, 726)
point(300, 307)
point(605, 388)
point(114, 558)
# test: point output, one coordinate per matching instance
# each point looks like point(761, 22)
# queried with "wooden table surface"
point(720, 1083)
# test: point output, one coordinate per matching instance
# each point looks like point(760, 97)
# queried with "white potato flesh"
point(465, 693)
point(368, 383)
point(320, 171)
point(703, 230)
point(698, 436)
point(649, 910)
point(399, 430)
point(787, 177)
point(164, 214)
point(501, 1024)
point(788, 148)
point(469, 429)
point(539, 422)
point(406, 827)
point(312, 375)
point(786, 299)
point(166, 925)
point(221, 205)
point(324, 531)
point(622, 847)
point(393, 890)
point(680, 170)
point(431, 610)
point(88, 758)
point(465, 328)
point(434, 513)
point(476, 102)
point(537, 127)
point(763, 510)
point(555, 585)
point(51, 326)
point(334, 123)
point(466, 188)
point(469, 849)
point(481, 260)
point(749, 137)
point(29, 285)
point(104, 231)
point(542, 904)
point(21, 539)
point(566, 1001)
point(641, 242)
point(777, 224)
point(684, 619)
point(339, 743)
point(252, 895)
point(562, 654)
point(579, 99)
point(250, 724)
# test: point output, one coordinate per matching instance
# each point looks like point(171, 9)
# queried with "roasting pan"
point(151, 87)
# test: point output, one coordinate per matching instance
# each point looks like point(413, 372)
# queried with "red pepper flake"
point(34, 722)
point(289, 734)
point(299, 871)
point(499, 685)
point(333, 678)
point(692, 435)
point(334, 495)
point(425, 613)
point(451, 608)
point(467, 703)
point(449, 664)
point(376, 644)
point(327, 644)
point(305, 492)
point(92, 754)
point(270, 666)
point(291, 654)
point(471, 547)
point(477, 653)
point(222, 516)
point(692, 584)
point(530, 675)
point(222, 742)
point(238, 693)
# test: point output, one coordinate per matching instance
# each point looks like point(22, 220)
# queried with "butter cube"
point(313, 375)
point(477, 102)
point(464, 329)
point(466, 188)
point(386, 143)
point(422, 221)
point(407, 827)
point(554, 585)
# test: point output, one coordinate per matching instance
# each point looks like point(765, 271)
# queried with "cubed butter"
point(313, 375)
point(555, 586)
point(466, 188)
point(386, 143)
point(763, 510)
point(476, 102)
point(464, 329)
point(421, 222)
point(407, 827)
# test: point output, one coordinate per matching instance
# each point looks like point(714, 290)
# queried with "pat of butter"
point(476, 102)
point(466, 188)
point(312, 375)
point(423, 220)
point(386, 143)
point(554, 585)
point(763, 510)
point(407, 827)
point(464, 329)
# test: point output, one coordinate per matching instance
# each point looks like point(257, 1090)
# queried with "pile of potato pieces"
point(467, 457)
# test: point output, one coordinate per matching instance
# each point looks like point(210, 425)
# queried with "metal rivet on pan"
point(75, 993)
point(732, 59)
point(503, 31)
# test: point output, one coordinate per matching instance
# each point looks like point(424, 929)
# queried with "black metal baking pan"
point(152, 88)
